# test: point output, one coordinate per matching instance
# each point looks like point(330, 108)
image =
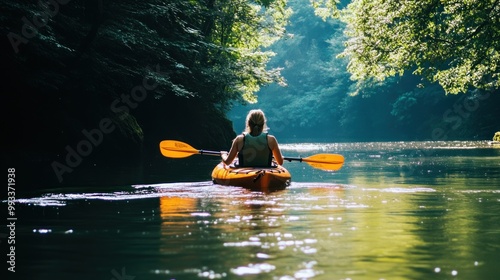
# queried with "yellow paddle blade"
point(176, 149)
point(329, 162)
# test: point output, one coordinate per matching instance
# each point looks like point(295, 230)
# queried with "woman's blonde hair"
point(256, 122)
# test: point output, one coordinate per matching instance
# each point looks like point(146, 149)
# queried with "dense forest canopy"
point(208, 52)
point(322, 102)
point(88, 80)
point(454, 43)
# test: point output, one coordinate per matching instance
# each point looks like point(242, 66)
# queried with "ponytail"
point(256, 121)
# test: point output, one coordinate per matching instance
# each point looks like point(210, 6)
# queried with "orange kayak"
point(253, 178)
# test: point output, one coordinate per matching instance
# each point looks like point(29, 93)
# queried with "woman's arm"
point(273, 145)
point(227, 159)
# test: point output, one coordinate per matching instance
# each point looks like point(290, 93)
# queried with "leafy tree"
point(316, 80)
point(233, 35)
point(208, 51)
point(316, 104)
point(454, 43)
point(74, 63)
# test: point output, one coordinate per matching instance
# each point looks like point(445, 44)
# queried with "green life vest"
point(255, 151)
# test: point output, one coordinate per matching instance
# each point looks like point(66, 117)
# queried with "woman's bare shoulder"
point(271, 139)
point(238, 140)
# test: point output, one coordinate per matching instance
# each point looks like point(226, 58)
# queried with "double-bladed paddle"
point(178, 149)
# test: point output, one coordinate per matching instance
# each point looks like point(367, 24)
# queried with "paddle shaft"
point(215, 153)
point(293, 159)
point(315, 159)
point(177, 149)
point(210, 153)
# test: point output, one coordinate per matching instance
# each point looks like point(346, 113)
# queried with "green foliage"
point(89, 60)
point(322, 103)
point(209, 49)
point(403, 104)
point(454, 43)
point(236, 31)
point(326, 8)
point(316, 80)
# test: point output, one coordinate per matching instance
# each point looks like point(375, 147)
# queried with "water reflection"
point(374, 219)
point(176, 206)
point(301, 233)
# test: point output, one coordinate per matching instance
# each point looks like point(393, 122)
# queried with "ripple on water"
point(253, 269)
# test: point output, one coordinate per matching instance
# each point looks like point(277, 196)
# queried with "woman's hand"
point(223, 155)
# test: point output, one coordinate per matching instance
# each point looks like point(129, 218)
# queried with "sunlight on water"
point(402, 210)
point(385, 146)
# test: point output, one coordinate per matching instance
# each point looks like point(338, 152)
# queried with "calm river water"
point(396, 210)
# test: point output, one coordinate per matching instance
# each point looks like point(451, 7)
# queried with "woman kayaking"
point(254, 147)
